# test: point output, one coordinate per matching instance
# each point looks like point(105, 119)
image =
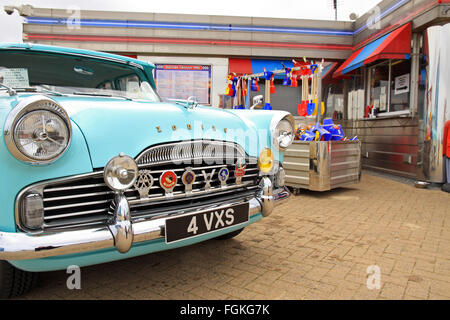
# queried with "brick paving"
point(316, 246)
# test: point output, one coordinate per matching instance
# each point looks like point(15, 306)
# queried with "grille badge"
point(239, 170)
point(188, 179)
point(167, 181)
point(208, 178)
point(143, 183)
point(224, 173)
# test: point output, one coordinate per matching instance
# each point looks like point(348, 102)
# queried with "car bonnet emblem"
point(224, 173)
point(208, 178)
point(167, 181)
point(239, 170)
point(143, 183)
point(188, 179)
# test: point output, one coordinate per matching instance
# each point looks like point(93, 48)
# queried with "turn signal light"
point(265, 160)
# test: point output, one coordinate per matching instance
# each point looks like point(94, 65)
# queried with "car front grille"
point(86, 200)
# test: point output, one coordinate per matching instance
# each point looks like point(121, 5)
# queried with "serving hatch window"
point(389, 85)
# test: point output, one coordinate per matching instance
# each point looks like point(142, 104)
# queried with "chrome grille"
point(86, 200)
point(191, 151)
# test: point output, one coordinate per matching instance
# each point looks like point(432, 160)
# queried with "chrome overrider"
point(121, 233)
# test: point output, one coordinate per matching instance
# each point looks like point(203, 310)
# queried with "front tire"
point(15, 282)
point(230, 235)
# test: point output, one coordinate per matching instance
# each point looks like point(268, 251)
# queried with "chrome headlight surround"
point(279, 134)
point(34, 104)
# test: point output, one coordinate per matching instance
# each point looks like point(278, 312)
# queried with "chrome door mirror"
point(258, 102)
point(192, 102)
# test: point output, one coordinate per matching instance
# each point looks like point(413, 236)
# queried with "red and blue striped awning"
point(394, 45)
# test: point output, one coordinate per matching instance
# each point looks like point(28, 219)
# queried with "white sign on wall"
point(402, 84)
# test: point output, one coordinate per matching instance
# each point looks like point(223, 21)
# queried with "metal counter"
point(322, 165)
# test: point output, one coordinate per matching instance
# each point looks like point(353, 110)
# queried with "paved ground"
point(317, 246)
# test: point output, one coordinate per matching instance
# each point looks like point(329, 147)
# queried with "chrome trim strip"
point(21, 246)
point(85, 186)
point(81, 195)
point(74, 214)
point(69, 215)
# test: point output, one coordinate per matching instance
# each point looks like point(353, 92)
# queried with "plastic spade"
point(310, 106)
point(301, 108)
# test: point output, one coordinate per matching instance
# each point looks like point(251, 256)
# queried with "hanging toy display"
point(229, 91)
point(304, 74)
point(238, 97)
point(244, 87)
point(311, 107)
point(268, 76)
point(294, 82)
point(234, 85)
point(247, 96)
point(272, 86)
point(255, 86)
point(240, 87)
point(287, 79)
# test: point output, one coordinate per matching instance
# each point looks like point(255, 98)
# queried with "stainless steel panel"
point(345, 166)
point(319, 171)
point(296, 165)
point(389, 145)
point(329, 164)
point(396, 168)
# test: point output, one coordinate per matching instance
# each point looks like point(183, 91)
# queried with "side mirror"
point(258, 102)
point(192, 102)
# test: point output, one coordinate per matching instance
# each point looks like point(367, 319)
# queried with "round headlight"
point(120, 173)
point(283, 131)
point(285, 134)
point(41, 135)
point(265, 160)
point(37, 130)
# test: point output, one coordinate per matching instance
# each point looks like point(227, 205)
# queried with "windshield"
point(77, 75)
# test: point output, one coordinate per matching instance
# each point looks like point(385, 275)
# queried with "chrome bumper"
point(121, 234)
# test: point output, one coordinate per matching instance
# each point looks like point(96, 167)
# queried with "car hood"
point(111, 126)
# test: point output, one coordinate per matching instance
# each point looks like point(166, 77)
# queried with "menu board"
point(180, 81)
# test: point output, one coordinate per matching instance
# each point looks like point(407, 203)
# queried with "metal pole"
point(414, 92)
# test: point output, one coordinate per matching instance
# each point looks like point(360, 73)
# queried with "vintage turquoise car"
point(95, 167)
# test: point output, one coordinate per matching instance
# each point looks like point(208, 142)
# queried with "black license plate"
point(193, 225)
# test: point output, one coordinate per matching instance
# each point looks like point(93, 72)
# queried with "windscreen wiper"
point(98, 94)
point(33, 89)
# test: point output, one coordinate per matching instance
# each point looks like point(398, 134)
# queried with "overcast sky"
point(11, 26)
